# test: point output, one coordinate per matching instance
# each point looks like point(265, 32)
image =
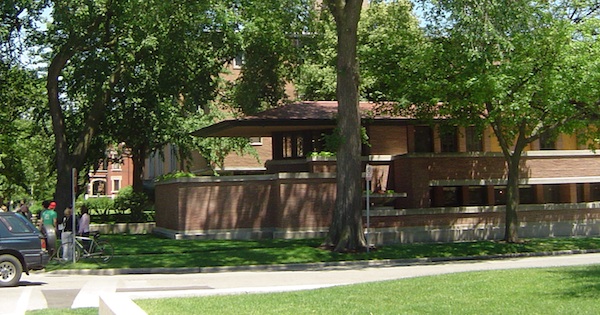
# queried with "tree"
point(525, 69)
point(81, 79)
point(174, 77)
point(346, 230)
point(24, 155)
point(272, 34)
point(392, 52)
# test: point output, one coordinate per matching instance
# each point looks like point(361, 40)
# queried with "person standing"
point(49, 217)
point(24, 210)
point(47, 224)
point(84, 222)
point(67, 237)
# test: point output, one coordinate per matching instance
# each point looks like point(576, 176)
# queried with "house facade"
point(112, 174)
point(429, 184)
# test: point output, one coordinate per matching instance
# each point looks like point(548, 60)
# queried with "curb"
point(341, 265)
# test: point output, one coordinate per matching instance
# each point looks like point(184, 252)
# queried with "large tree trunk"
point(511, 228)
point(346, 230)
point(66, 160)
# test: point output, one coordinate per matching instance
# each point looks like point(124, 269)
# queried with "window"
point(98, 188)
point(473, 139)
point(255, 141)
point(287, 146)
point(116, 184)
point(595, 191)
point(552, 193)
point(238, 61)
point(297, 144)
point(547, 142)
point(423, 139)
point(452, 196)
point(477, 196)
point(449, 139)
point(16, 224)
point(500, 195)
point(526, 194)
point(116, 166)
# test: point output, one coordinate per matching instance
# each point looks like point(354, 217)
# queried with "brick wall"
point(266, 203)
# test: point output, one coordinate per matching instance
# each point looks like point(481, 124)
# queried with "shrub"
point(136, 203)
point(99, 206)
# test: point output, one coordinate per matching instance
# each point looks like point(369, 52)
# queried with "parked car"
point(22, 248)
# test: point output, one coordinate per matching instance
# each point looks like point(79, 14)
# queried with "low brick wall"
point(244, 206)
point(451, 224)
point(300, 205)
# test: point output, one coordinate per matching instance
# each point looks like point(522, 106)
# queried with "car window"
point(15, 224)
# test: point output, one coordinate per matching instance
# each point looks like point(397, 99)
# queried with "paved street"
point(48, 290)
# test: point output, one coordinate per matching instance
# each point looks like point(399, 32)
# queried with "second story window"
point(238, 61)
point(449, 139)
point(423, 139)
point(547, 142)
point(473, 139)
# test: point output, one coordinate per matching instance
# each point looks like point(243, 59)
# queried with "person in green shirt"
point(47, 224)
point(49, 216)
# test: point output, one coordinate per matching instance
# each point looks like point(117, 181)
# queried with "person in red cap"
point(49, 217)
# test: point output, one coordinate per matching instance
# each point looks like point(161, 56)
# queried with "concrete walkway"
point(74, 290)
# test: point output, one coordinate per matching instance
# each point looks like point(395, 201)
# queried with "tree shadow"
point(581, 282)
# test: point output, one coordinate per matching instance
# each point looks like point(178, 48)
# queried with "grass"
point(148, 251)
point(528, 291)
point(570, 290)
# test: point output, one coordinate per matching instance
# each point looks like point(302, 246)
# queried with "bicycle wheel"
point(102, 251)
point(60, 253)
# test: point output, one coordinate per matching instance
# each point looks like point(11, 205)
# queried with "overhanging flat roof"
point(292, 117)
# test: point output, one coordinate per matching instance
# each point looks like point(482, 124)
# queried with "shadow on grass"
point(581, 282)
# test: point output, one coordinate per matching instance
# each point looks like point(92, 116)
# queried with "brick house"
point(111, 175)
point(448, 186)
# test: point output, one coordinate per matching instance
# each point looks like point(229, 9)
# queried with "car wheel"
point(10, 271)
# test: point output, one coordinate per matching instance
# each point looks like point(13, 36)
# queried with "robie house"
point(429, 184)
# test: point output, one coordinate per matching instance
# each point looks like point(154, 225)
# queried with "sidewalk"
point(61, 290)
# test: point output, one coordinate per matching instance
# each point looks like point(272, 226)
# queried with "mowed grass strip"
point(569, 290)
point(148, 251)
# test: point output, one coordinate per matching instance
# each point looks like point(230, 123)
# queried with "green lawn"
point(529, 291)
point(572, 290)
point(146, 251)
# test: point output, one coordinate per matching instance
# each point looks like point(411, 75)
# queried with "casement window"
point(255, 141)
point(116, 184)
point(547, 142)
point(473, 139)
point(449, 139)
point(238, 61)
point(423, 139)
point(297, 144)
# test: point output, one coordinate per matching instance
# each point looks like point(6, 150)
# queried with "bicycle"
point(88, 247)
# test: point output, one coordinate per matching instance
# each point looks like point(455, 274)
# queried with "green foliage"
point(134, 202)
point(335, 139)
point(100, 206)
point(25, 152)
point(392, 51)
point(175, 175)
point(271, 32)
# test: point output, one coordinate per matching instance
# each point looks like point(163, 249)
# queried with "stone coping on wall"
point(390, 211)
point(124, 228)
point(369, 158)
point(246, 178)
point(522, 181)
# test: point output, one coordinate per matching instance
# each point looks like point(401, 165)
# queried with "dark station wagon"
point(22, 248)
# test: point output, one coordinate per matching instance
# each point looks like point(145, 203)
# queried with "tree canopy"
point(524, 69)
